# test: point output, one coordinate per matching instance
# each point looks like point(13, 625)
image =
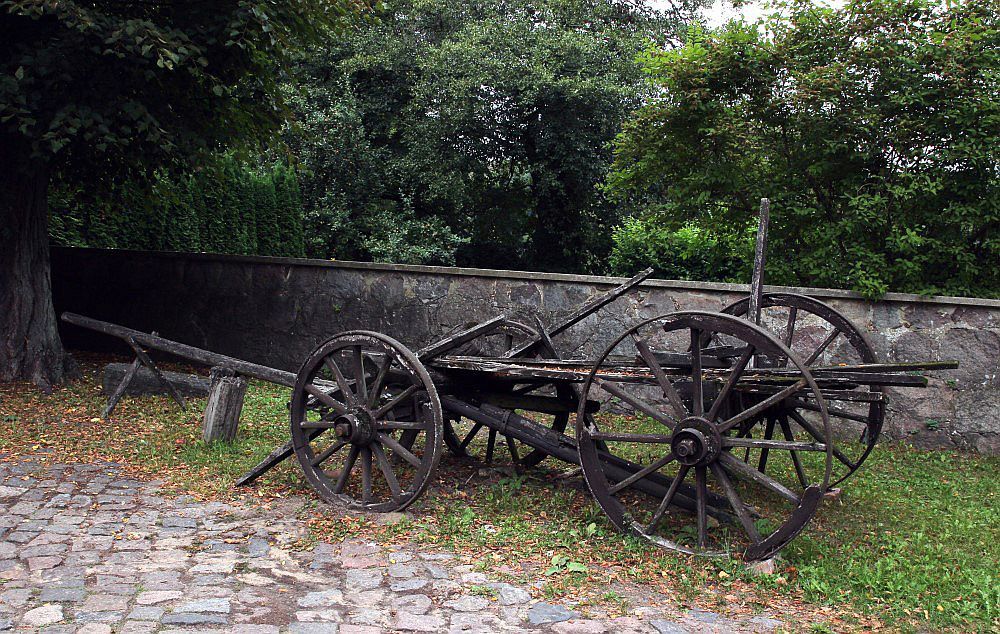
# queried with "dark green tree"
point(478, 129)
point(107, 91)
point(874, 128)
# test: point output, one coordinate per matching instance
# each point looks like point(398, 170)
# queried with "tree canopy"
point(873, 128)
point(477, 129)
point(92, 93)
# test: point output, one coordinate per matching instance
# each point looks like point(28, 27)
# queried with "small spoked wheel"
point(665, 458)
point(470, 439)
point(366, 422)
point(823, 337)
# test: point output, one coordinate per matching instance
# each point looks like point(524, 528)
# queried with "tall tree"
point(874, 128)
point(102, 91)
point(490, 119)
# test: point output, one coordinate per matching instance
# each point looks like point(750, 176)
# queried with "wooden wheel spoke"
point(667, 499)
point(329, 451)
point(734, 376)
point(774, 399)
point(786, 431)
point(317, 424)
point(668, 389)
point(701, 488)
point(765, 451)
point(366, 475)
point(360, 379)
point(352, 457)
point(697, 386)
point(744, 471)
point(399, 424)
point(793, 313)
point(812, 431)
point(642, 473)
point(386, 468)
point(823, 346)
point(637, 403)
point(379, 382)
point(627, 437)
point(399, 450)
point(342, 383)
point(323, 397)
point(394, 401)
point(752, 443)
point(736, 502)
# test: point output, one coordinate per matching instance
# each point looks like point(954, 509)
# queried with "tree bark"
point(30, 348)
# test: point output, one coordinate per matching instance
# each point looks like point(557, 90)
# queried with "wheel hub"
point(695, 441)
point(356, 427)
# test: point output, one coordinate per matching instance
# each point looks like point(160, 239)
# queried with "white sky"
point(722, 10)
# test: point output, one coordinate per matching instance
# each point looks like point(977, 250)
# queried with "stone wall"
point(274, 311)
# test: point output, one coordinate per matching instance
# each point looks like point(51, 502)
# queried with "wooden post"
point(225, 402)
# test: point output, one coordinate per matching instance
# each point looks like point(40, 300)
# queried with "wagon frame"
point(665, 409)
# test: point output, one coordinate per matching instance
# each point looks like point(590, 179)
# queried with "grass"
point(912, 544)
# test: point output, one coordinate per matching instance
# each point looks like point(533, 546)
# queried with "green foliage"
point(94, 89)
point(688, 253)
point(873, 128)
point(479, 129)
point(225, 208)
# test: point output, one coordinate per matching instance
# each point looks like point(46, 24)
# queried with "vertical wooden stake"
point(225, 403)
point(759, 259)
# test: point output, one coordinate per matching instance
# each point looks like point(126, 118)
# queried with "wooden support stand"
point(225, 403)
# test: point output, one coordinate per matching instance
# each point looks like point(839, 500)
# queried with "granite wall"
point(275, 310)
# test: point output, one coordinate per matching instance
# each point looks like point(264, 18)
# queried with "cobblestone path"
point(85, 550)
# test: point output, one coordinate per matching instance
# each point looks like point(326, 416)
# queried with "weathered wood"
point(759, 260)
point(581, 313)
point(120, 390)
point(246, 368)
point(141, 355)
point(145, 382)
point(225, 404)
point(451, 342)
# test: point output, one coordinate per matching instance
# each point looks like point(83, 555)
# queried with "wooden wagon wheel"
point(474, 440)
point(366, 422)
point(684, 416)
point(821, 335)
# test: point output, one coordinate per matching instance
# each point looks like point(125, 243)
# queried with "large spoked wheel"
point(822, 336)
point(366, 422)
point(676, 414)
point(470, 439)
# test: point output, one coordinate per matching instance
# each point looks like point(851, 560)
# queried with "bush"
point(688, 253)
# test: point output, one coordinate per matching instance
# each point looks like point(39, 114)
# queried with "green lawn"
point(913, 542)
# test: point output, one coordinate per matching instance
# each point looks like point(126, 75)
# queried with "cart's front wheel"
point(366, 422)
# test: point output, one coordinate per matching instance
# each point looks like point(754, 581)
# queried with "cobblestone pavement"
point(86, 550)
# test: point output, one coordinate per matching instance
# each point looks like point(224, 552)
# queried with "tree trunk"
point(30, 348)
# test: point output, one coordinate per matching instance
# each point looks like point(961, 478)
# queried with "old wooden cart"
point(703, 432)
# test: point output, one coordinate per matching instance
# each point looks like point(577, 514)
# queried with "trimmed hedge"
point(228, 208)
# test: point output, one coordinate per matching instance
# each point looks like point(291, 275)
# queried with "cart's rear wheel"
point(681, 416)
point(469, 439)
point(366, 422)
point(821, 335)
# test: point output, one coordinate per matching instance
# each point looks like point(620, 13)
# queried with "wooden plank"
point(451, 342)
point(581, 313)
point(263, 372)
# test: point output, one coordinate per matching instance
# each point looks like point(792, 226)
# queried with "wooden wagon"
point(702, 432)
